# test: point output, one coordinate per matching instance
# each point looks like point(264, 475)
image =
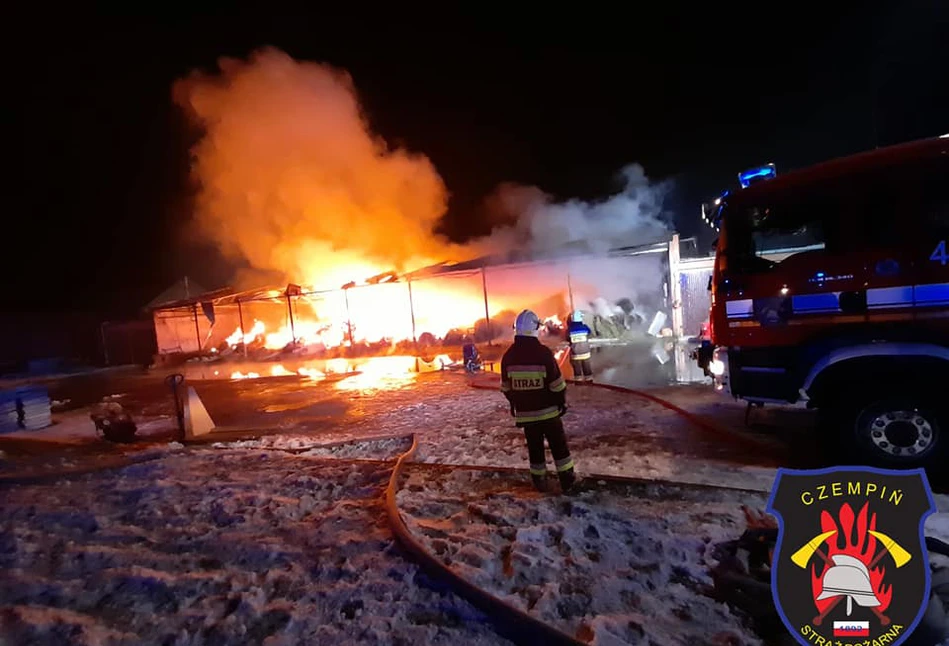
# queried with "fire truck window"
point(792, 226)
point(763, 235)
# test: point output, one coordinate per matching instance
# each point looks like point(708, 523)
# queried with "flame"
point(854, 539)
point(384, 313)
point(278, 370)
point(381, 373)
point(312, 373)
point(294, 181)
point(238, 337)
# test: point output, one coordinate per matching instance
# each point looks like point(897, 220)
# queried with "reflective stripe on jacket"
point(578, 334)
point(531, 381)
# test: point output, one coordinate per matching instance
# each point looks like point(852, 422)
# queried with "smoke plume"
point(293, 182)
point(534, 222)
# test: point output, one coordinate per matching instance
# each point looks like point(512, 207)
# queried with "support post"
point(197, 329)
point(349, 318)
point(675, 287)
point(293, 334)
point(240, 318)
point(412, 313)
point(487, 314)
point(570, 293)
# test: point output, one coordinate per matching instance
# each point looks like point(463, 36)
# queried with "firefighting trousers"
point(582, 368)
point(552, 430)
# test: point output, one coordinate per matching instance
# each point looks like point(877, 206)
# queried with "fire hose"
point(509, 621)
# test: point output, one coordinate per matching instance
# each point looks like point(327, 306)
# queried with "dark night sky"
point(561, 101)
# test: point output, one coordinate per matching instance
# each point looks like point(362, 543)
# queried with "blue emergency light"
point(748, 177)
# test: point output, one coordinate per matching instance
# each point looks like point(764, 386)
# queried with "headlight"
point(716, 367)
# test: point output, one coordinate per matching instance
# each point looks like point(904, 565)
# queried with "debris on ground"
point(114, 422)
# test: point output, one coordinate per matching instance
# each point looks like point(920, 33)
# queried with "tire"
point(895, 428)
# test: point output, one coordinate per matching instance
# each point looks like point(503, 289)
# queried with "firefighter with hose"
point(533, 385)
point(578, 335)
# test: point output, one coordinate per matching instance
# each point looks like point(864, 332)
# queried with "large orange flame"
point(294, 182)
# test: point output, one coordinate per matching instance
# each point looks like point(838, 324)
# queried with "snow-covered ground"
point(217, 547)
point(609, 432)
point(242, 542)
point(613, 567)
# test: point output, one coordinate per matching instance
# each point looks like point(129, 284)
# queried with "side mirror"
point(709, 288)
point(714, 245)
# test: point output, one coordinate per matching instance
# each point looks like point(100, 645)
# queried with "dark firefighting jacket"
point(532, 382)
point(578, 334)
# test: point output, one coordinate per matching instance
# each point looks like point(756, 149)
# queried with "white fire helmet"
point(527, 324)
point(577, 316)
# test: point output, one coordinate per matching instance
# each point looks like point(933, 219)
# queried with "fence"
point(480, 302)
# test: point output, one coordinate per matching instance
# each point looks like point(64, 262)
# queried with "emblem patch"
point(850, 566)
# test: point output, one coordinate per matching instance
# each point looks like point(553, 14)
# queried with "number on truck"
point(939, 253)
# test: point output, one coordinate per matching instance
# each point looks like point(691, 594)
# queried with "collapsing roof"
point(517, 257)
point(229, 296)
point(183, 293)
point(181, 290)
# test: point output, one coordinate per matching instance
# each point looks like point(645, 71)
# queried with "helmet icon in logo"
point(849, 577)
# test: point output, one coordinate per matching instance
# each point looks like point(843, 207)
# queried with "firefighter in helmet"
point(578, 335)
point(470, 355)
point(537, 392)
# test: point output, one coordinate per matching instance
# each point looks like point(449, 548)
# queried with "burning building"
point(293, 185)
point(625, 293)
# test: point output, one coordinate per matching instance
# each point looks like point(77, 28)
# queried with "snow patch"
point(218, 547)
point(608, 566)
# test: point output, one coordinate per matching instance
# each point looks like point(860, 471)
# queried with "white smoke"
point(533, 222)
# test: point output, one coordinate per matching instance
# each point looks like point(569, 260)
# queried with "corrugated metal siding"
point(696, 299)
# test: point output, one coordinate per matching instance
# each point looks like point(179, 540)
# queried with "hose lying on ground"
point(510, 622)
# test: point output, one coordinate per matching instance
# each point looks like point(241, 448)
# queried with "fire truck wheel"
point(895, 430)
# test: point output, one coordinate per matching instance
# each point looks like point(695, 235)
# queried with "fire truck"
point(830, 290)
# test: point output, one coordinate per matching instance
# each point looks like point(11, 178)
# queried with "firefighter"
point(472, 358)
point(578, 334)
point(537, 392)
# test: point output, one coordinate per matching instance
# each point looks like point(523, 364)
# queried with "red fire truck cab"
point(850, 312)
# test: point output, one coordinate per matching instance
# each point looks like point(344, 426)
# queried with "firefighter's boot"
point(540, 482)
point(568, 481)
